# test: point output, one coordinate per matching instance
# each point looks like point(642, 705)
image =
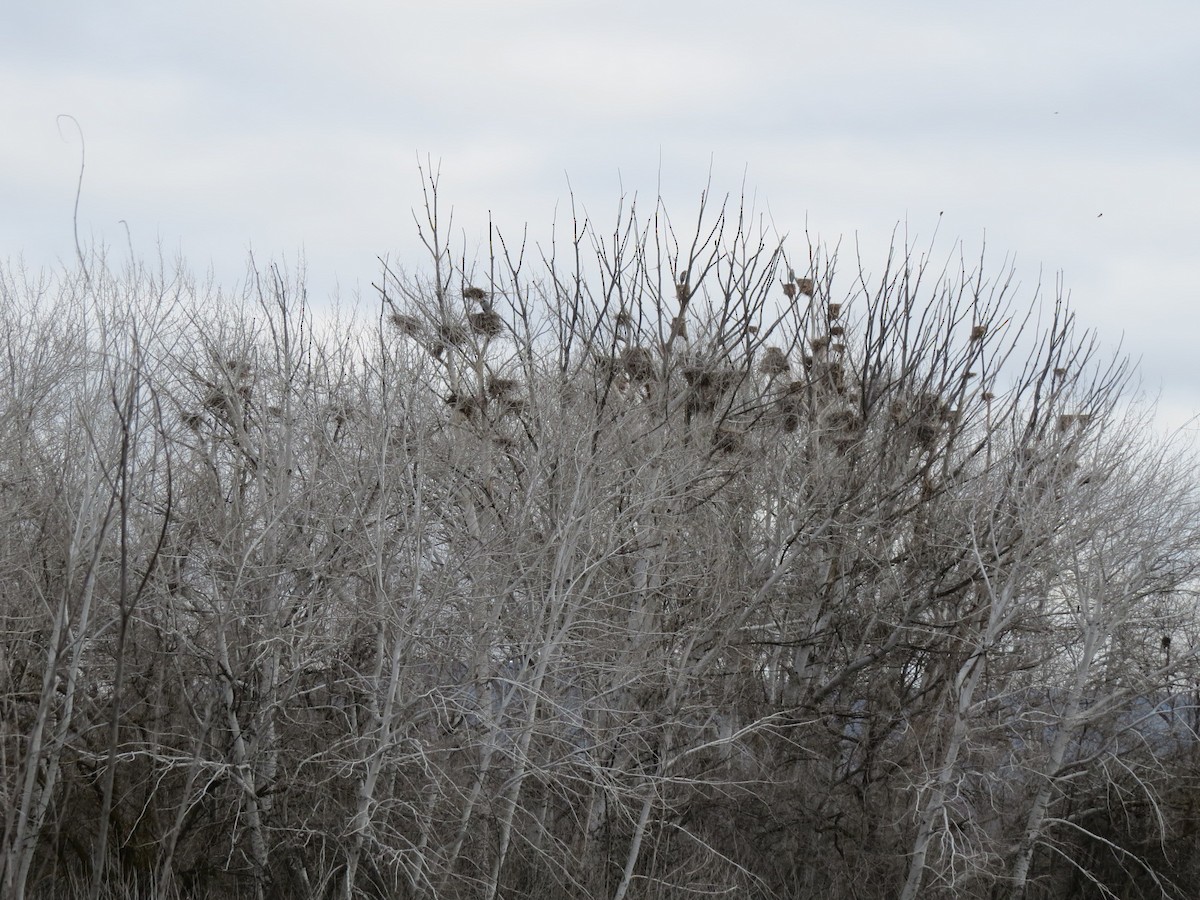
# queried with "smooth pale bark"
point(68, 636)
point(1001, 613)
point(244, 770)
point(965, 682)
point(1068, 727)
point(635, 848)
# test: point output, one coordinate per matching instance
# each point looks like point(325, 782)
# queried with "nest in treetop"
point(1067, 421)
point(988, 396)
point(978, 332)
point(217, 400)
point(474, 293)
point(501, 387)
point(930, 406)
point(790, 405)
point(467, 404)
point(239, 369)
point(637, 363)
point(409, 325)
point(927, 432)
point(845, 424)
point(624, 319)
point(707, 386)
point(1060, 373)
point(928, 415)
point(837, 331)
point(926, 407)
point(805, 286)
point(820, 343)
point(835, 310)
point(789, 289)
point(719, 379)
point(774, 362)
point(487, 323)
point(451, 333)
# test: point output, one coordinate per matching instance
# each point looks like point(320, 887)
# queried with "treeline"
point(684, 568)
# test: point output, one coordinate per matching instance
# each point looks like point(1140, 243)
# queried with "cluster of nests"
point(821, 398)
point(498, 395)
point(822, 365)
point(483, 322)
point(709, 385)
point(925, 415)
point(794, 286)
point(226, 394)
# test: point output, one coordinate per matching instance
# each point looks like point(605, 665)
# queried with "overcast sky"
point(1068, 133)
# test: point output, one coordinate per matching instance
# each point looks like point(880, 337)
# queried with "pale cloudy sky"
point(1067, 132)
